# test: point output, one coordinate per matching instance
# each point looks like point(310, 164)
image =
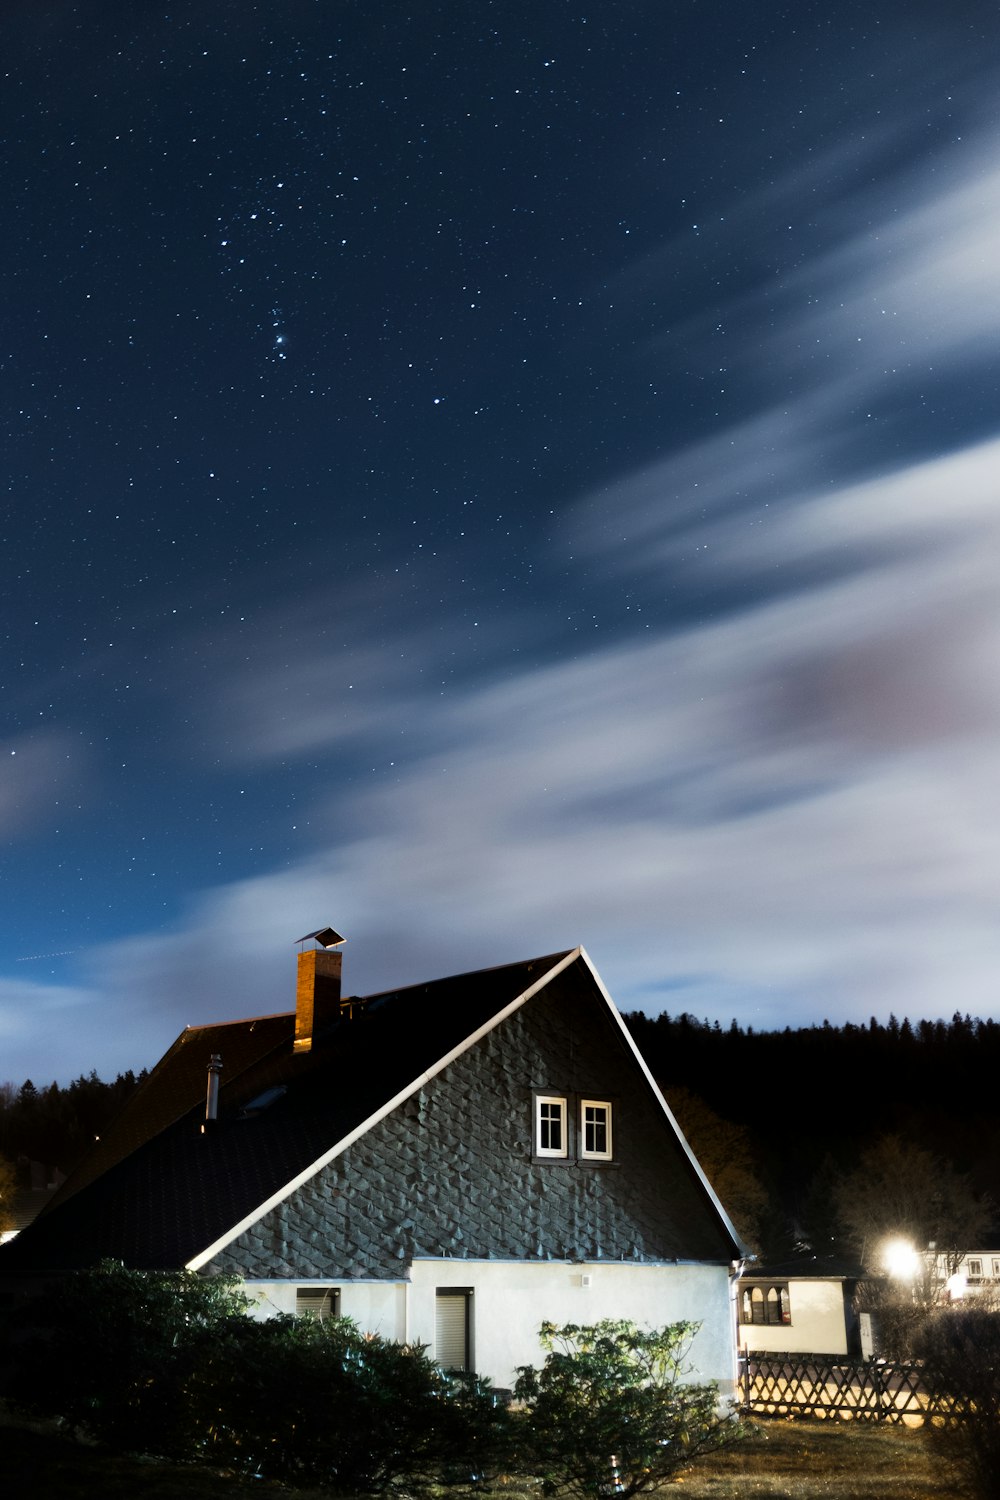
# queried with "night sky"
point(493, 477)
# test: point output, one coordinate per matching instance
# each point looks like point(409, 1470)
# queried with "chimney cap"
point(325, 936)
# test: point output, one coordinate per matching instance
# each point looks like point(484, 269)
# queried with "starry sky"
point(494, 477)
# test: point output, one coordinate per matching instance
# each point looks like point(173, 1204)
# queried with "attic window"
point(320, 1302)
point(595, 1129)
point(550, 1125)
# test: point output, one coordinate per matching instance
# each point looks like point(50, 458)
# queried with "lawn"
point(781, 1461)
point(816, 1460)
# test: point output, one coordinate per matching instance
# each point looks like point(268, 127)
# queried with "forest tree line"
point(794, 1123)
point(44, 1132)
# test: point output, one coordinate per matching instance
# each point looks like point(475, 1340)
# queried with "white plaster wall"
point(376, 1306)
point(817, 1325)
point(512, 1299)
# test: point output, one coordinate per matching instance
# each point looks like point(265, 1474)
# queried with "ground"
point(782, 1461)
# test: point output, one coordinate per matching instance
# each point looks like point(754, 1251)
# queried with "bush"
point(898, 1319)
point(112, 1351)
point(610, 1411)
point(960, 1347)
point(171, 1364)
point(323, 1403)
point(476, 1433)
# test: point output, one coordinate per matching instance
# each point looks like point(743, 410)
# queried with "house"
point(39, 1185)
point(973, 1274)
point(450, 1164)
point(800, 1306)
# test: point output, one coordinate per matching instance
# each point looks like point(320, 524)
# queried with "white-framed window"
point(975, 1266)
point(551, 1125)
point(996, 1268)
point(595, 1129)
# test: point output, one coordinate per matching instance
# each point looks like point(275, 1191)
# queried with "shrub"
point(323, 1403)
point(960, 1347)
point(898, 1318)
point(171, 1364)
point(475, 1430)
point(111, 1351)
point(610, 1411)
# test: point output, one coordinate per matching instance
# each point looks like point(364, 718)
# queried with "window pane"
point(551, 1127)
point(595, 1129)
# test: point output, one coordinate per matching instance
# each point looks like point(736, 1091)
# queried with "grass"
point(817, 1460)
point(781, 1461)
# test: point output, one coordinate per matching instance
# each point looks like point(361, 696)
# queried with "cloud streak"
point(778, 812)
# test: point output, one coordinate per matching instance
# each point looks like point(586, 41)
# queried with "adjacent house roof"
point(805, 1268)
point(164, 1189)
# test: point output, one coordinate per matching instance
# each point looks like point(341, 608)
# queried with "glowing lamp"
point(900, 1259)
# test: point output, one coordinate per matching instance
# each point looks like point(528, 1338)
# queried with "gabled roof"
point(158, 1192)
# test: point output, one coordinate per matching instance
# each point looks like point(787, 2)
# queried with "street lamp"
point(900, 1259)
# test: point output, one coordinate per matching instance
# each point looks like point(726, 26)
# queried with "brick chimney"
point(317, 994)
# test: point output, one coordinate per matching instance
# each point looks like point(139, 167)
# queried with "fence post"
point(879, 1385)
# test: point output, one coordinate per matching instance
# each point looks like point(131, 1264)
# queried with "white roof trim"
point(658, 1095)
point(204, 1256)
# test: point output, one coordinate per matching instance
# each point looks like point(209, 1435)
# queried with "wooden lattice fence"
point(818, 1386)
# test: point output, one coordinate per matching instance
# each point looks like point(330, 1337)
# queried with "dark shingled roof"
point(156, 1191)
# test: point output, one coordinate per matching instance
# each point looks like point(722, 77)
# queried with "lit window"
point(595, 1129)
point(550, 1125)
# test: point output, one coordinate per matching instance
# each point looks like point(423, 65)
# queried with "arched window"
point(766, 1305)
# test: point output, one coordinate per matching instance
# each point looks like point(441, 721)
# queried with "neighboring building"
point(450, 1163)
point(799, 1307)
point(975, 1274)
point(39, 1187)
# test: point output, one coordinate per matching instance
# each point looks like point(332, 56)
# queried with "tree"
point(902, 1191)
point(728, 1158)
point(610, 1410)
point(8, 1191)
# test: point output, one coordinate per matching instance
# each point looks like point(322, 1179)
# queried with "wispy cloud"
point(777, 807)
point(35, 1039)
point(41, 774)
point(783, 811)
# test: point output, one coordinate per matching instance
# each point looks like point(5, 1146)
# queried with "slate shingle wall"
point(450, 1173)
